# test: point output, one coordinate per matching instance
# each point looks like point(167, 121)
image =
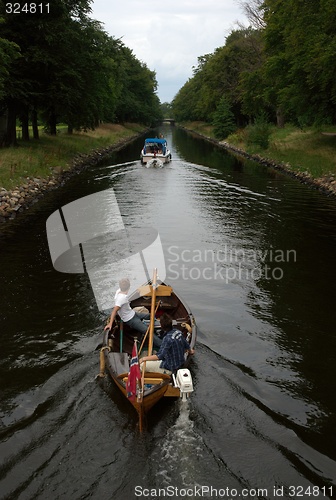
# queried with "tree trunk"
point(280, 118)
point(25, 124)
point(34, 123)
point(70, 129)
point(10, 135)
point(52, 122)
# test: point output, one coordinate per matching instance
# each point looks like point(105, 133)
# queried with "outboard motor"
point(183, 381)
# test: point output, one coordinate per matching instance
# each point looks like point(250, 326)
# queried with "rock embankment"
point(16, 200)
point(326, 184)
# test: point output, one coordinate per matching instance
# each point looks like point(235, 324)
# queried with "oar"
point(151, 328)
point(100, 345)
point(142, 383)
point(102, 357)
point(146, 334)
point(121, 335)
point(152, 316)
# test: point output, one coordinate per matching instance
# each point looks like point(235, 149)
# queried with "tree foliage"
point(218, 74)
point(223, 120)
point(300, 39)
point(8, 53)
point(283, 65)
point(62, 66)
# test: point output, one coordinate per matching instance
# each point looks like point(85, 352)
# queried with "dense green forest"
point(60, 66)
point(282, 68)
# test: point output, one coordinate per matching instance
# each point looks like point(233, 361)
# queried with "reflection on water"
point(252, 252)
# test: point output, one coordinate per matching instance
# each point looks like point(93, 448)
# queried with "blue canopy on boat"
point(156, 140)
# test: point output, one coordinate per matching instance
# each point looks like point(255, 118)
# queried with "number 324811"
point(27, 8)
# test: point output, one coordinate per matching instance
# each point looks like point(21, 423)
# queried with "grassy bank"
point(40, 158)
point(308, 150)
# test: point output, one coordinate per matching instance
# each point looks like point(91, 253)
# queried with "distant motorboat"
point(155, 148)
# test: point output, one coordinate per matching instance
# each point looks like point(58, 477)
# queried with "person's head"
point(166, 322)
point(124, 284)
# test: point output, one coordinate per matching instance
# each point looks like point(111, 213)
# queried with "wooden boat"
point(155, 149)
point(118, 344)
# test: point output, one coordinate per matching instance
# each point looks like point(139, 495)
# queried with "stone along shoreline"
point(20, 198)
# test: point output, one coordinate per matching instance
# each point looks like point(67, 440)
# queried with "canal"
point(253, 254)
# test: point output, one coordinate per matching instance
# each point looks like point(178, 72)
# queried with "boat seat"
point(161, 291)
point(163, 305)
point(119, 361)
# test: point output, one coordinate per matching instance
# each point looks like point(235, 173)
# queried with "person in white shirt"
point(132, 318)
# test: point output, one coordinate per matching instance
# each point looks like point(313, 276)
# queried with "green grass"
point(306, 150)
point(201, 127)
point(40, 158)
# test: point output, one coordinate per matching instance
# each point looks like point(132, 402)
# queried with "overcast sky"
point(169, 36)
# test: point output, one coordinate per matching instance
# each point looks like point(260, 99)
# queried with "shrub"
point(259, 133)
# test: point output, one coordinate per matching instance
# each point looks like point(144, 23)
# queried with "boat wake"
point(154, 163)
point(176, 464)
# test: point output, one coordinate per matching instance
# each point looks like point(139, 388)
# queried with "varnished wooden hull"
point(149, 400)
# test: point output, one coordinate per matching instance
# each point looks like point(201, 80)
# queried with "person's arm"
point(159, 356)
point(112, 318)
point(187, 347)
point(152, 357)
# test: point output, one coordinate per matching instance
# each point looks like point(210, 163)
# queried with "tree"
point(67, 69)
point(218, 74)
point(137, 99)
point(41, 75)
point(224, 120)
point(8, 53)
point(254, 11)
point(300, 69)
point(166, 109)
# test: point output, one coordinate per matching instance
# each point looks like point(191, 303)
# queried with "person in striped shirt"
point(171, 355)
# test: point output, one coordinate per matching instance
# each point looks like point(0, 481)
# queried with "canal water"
point(253, 254)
